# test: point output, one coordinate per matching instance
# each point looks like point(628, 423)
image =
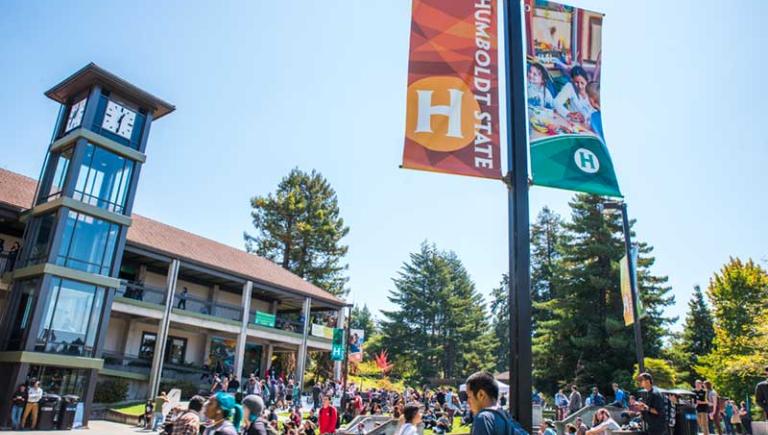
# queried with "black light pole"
point(622, 206)
point(520, 365)
point(346, 358)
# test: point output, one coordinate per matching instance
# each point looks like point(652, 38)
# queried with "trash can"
point(67, 413)
point(685, 420)
point(48, 408)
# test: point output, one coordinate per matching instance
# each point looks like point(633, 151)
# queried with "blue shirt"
point(621, 397)
point(491, 421)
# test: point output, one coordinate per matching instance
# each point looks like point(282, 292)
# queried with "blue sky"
point(263, 86)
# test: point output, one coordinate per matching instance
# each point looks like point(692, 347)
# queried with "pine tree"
point(299, 228)
point(439, 323)
point(361, 318)
point(585, 339)
point(500, 325)
point(698, 333)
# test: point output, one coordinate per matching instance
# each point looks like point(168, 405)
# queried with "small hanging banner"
point(452, 116)
point(568, 148)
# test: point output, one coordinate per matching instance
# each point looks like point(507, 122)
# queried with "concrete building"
point(165, 305)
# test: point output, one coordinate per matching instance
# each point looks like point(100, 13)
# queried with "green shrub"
point(111, 391)
point(188, 389)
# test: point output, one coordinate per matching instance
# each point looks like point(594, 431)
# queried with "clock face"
point(119, 119)
point(76, 115)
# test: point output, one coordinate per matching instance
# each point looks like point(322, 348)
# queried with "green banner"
point(264, 319)
point(337, 347)
point(580, 163)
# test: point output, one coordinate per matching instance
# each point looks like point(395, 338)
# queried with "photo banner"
point(568, 148)
point(452, 113)
point(356, 340)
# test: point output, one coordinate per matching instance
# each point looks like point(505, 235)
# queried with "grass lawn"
point(457, 428)
point(134, 410)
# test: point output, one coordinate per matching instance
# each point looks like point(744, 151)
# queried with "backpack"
point(512, 427)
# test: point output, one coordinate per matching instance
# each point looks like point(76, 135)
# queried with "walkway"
point(97, 427)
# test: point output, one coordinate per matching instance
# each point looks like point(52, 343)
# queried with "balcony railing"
point(143, 364)
point(202, 306)
point(141, 292)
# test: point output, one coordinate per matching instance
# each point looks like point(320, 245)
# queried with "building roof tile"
point(18, 191)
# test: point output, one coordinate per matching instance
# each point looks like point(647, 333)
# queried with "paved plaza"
point(96, 427)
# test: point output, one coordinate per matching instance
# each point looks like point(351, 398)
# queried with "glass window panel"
point(69, 323)
point(93, 327)
point(42, 230)
point(88, 243)
point(147, 347)
point(103, 179)
point(59, 174)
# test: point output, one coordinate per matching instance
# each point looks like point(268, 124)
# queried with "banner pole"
point(633, 288)
point(520, 358)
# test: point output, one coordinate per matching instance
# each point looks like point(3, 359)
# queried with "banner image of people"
point(568, 146)
point(356, 340)
point(452, 114)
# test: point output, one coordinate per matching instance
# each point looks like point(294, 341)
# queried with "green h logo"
point(586, 160)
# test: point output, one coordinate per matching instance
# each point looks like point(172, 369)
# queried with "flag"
point(452, 112)
point(568, 147)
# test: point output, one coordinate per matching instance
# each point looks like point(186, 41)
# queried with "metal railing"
point(141, 292)
point(138, 364)
point(202, 306)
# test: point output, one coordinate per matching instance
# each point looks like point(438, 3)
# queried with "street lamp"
point(622, 207)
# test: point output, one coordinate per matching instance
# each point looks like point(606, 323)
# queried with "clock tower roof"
point(93, 74)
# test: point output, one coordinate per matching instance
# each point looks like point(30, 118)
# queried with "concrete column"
point(243, 336)
point(156, 372)
point(141, 275)
point(301, 359)
point(206, 347)
point(337, 365)
point(127, 336)
point(266, 357)
point(273, 307)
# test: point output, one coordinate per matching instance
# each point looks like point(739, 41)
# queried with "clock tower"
point(66, 274)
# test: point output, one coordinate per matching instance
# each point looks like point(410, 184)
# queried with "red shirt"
point(327, 419)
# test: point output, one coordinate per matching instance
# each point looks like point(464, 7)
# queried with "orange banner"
point(452, 117)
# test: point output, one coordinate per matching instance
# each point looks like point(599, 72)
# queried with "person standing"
point(761, 394)
point(619, 396)
point(160, 400)
point(18, 402)
point(702, 407)
point(316, 390)
point(653, 406)
point(483, 395)
point(746, 419)
point(328, 417)
point(574, 402)
point(182, 305)
point(188, 423)
point(34, 394)
point(596, 399)
point(728, 413)
point(714, 406)
point(561, 403)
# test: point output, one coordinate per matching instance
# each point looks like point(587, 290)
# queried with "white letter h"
point(453, 112)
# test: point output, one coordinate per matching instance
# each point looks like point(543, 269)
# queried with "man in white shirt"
point(34, 394)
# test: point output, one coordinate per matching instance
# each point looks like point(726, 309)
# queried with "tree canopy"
point(300, 228)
